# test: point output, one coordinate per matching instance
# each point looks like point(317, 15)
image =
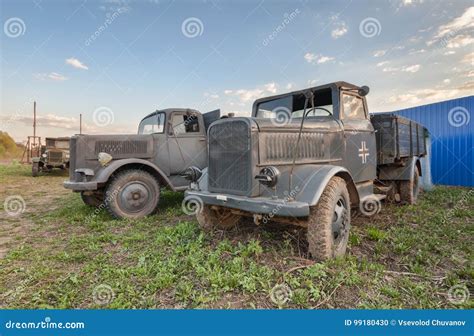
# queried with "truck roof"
point(169, 110)
point(337, 84)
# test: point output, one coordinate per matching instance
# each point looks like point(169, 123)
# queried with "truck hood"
point(119, 146)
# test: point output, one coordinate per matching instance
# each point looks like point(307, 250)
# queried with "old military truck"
point(54, 154)
point(307, 158)
point(126, 172)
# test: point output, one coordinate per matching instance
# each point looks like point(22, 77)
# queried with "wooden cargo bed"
point(397, 138)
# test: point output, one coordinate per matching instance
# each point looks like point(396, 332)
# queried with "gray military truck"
point(307, 158)
point(126, 172)
point(55, 154)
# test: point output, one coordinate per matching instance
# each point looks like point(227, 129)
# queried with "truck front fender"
point(317, 178)
point(104, 174)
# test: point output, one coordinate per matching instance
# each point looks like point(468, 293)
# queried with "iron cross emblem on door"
point(363, 152)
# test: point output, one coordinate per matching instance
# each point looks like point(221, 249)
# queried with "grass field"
point(59, 253)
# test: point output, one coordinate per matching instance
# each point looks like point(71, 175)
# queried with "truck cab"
point(306, 158)
point(126, 172)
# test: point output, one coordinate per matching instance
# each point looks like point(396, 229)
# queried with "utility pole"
point(80, 123)
point(34, 121)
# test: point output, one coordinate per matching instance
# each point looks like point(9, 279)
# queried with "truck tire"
point(132, 194)
point(210, 219)
point(409, 190)
point(95, 199)
point(35, 169)
point(329, 222)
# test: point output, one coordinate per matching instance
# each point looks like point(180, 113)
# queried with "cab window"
point(152, 124)
point(353, 107)
point(184, 123)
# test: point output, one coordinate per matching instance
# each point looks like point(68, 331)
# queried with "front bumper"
point(80, 186)
point(256, 205)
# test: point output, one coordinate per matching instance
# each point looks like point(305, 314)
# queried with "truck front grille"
point(230, 169)
point(55, 157)
point(72, 156)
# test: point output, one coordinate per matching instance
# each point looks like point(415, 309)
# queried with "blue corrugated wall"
point(451, 125)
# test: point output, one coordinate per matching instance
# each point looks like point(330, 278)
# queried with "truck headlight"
point(192, 174)
point(104, 158)
point(44, 155)
point(268, 176)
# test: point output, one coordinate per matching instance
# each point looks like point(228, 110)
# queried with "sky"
point(115, 61)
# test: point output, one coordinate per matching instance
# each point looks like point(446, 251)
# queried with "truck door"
point(359, 135)
point(187, 143)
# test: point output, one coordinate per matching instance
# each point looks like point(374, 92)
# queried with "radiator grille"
point(117, 147)
point(280, 147)
point(54, 156)
point(230, 157)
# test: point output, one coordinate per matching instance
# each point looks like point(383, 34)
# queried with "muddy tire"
point(35, 169)
point(409, 190)
point(210, 219)
point(329, 222)
point(132, 194)
point(94, 199)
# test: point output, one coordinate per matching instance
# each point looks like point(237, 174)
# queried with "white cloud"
point(411, 2)
point(340, 30)
point(319, 59)
point(447, 81)
point(460, 41)
point(382, 63)
point(449, 52)
point(211, 95)
point(409, 68)
point(460, 23)
point(430, 95)
point(250, 95)
point(380, 53)
point(468, 58)
point(52, 75)
point(289, 86)
point(313, 82)
point(414, 51)
point(76, 63)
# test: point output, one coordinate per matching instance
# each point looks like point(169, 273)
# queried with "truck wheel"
point(35, 169)
point(410, 189)
point(329, 222)
point(209, 218)
point(132, 194)
point(94, 199)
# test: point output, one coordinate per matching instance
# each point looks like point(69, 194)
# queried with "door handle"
point(202, 139)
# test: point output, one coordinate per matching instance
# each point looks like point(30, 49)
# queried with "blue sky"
point(114, 61)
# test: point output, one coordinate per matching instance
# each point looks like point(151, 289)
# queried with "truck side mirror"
point(363, 91)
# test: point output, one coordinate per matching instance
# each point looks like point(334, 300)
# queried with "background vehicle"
point(308, 158)
point(126, 172)
point(55, 154)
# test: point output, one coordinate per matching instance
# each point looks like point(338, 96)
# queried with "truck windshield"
point(294, 105)
point(152, 124)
